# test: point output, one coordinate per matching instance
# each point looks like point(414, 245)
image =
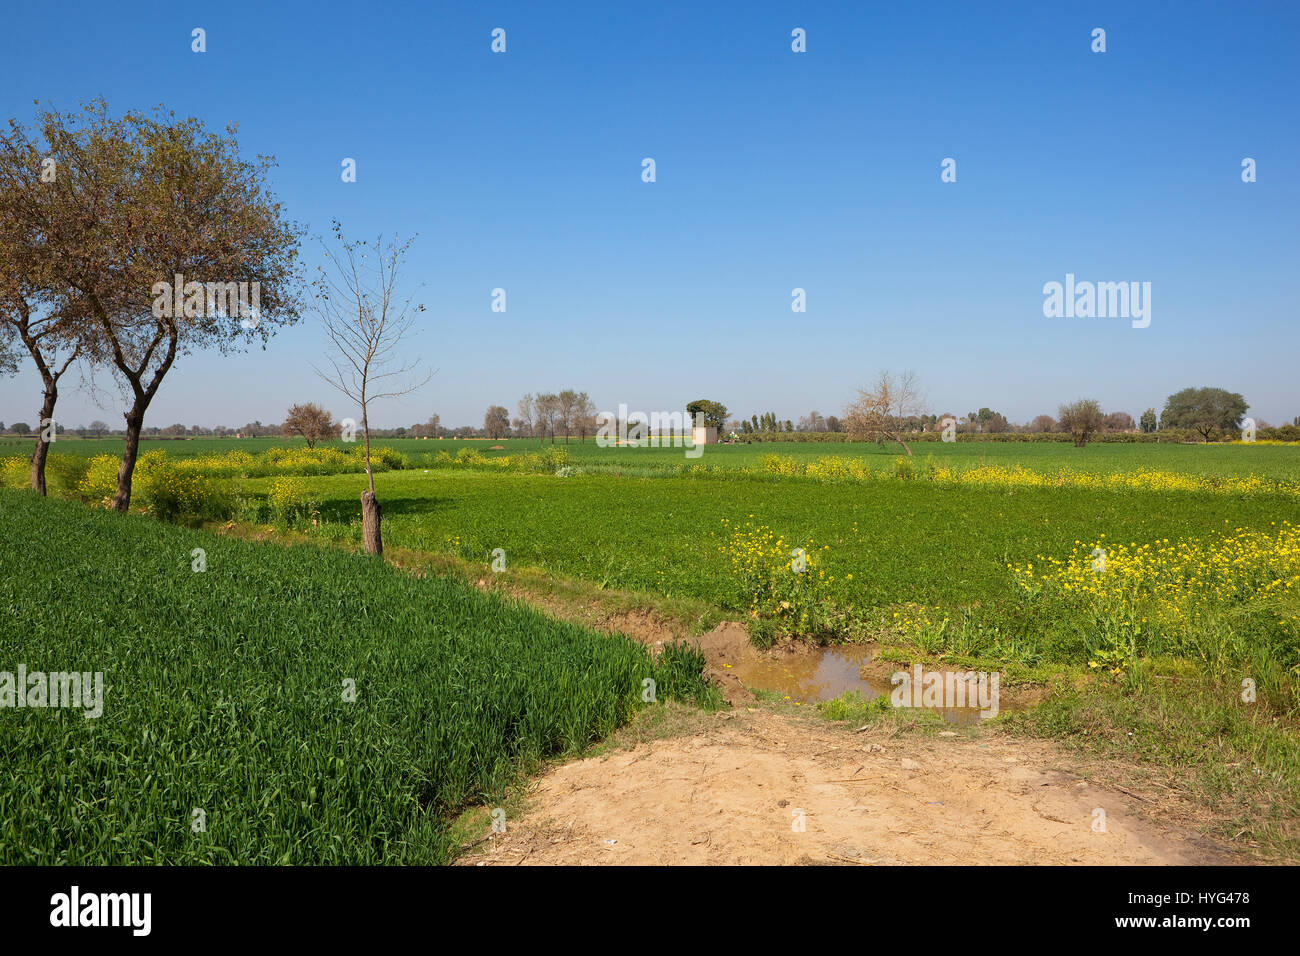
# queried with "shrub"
point(555, 457)
point(99, 484)
point(168, 490)
point(777, 582)
point(391, 457)
point(15, 472)
point(288, 499)
point(63, 473)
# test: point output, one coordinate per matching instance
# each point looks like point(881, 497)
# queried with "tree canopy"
point(1204, 410)
point(151, 236)
point(715, 413)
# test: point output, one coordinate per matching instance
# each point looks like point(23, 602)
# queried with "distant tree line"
point(892, 408)
point(1204, 414)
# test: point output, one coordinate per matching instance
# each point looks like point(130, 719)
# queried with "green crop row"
point(268, 704)
point(274, 456)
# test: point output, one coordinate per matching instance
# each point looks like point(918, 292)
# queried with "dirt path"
point(731, 792)
point(732, 787)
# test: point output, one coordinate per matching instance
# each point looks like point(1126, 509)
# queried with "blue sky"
point(775, 170)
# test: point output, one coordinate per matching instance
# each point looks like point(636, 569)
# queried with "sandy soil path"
point(732, 792)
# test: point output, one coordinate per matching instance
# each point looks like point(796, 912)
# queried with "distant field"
point(942, 530)
point(1264, 460)
point(901, 541)
point(626, 519)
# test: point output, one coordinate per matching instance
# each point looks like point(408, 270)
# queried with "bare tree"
point(365, 319)
point(548, 413)
point(1119, 422)
point(311, 422)
point(430, 429)
point(586, 416)
point(525, 422)
point(567, 403)
point(881, 411)
point(812, 422)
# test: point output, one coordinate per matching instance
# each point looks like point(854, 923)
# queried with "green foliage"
point(715, 413)
point(645, 520)
point(387, 456)
point(16, 472)
point(851, 705)
point(776, 581)
point(1204, 410)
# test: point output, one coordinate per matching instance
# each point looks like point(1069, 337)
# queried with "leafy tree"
point(9, 355)
point(496, 421)
point(147, 198)
point(1148, 421)
point(715, 413)
point(1082, 419)
point(311, 422)
point(20, 428)
point(1204, 410)
point(987, 420)
point(38, 317)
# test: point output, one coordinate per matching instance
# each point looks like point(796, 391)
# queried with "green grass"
point(1192, 736)
point(225, 693)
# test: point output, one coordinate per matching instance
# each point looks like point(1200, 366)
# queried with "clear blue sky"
point(775, 170)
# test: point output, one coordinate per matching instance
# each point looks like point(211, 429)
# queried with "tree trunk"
point(42, 446)
point(122, 500)
point(370, 518)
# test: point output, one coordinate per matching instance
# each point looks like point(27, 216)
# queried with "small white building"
point(704, 435)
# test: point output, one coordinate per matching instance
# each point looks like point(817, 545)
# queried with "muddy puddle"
point(824, 673)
